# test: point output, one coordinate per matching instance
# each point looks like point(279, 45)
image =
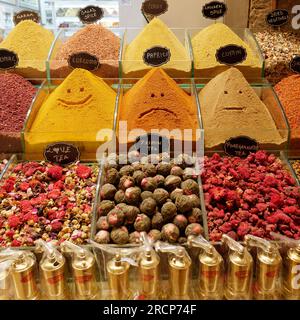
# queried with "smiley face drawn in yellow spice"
point(75, 111)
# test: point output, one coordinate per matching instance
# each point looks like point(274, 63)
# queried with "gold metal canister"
point(149, 274)
point(118, 278)
point(52, 272)
point(23, 276)
point(292, 274)
point(84, 273)
point(179, 266)
point(4, 284)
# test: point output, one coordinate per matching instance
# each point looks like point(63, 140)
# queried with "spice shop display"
point(31, 43)
point(230, 108)
point(74, 112)
point(15, 100)
point(217, 47)
point(156, 46)
point(90, 42)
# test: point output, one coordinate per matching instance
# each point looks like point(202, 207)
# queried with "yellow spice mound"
point(31, 42)
point(156, 33)
point(230, 107)
point(210, 39)
point(156, 102)
point(75, 111)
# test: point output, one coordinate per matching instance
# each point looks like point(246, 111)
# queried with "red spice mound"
point(15, 99)
point(41, 200)
point(255, 195)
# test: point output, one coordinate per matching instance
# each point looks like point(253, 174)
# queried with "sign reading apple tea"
point(154, 7)
point(84, 60)
point(26, 15)
point(90, 14)
point(62, 153)
point(277, 18)
point(231, 54)
point(214, 10)
point(8, 59)
point(152, 144)
point(157, 56)
point(295, 64)
point(240, 146)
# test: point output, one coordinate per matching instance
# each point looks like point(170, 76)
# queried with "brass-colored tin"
point(4, 284)
point(268, 269)
point(118, 278)
point(292, 274)
point(149, 274)
point(239, 271)
point(52, 270)
point(179, 267)
point(84, 273)
point(23, 277)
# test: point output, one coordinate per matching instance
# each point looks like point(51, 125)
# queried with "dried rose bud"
point(170, 233)
point(139, 176)
point(126, 182)
point(142, 223)
point(180, 221)
point(120, 196)
point(102, 237)
point(108, 192)
point(174, 194)
point(184, 204)
point(157, 221)
point(190, 187)
point(160, 196)
point(102, 223)
point(172, 182)
point(149, 184)
point(194, 229)
point(168, 211)
point(148, 207)
point(120, 235)
point(133, 195)
point(126, 171)
point(115, 217)
point(154, 235)
point(112, 176)
point(146, 194)
point(163, 168)
point(149, 169)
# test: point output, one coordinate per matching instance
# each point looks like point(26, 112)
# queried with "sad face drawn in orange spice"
point(156, 102)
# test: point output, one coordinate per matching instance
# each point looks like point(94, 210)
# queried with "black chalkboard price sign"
point(8, 59)
point(90, 14)
point(214, 10)
point(61, 153)
point(295, 64)
point(240, 146)
point(157, 56)
point(84, 60)
point(231, 54)
point(277, 18)
point(154, 7)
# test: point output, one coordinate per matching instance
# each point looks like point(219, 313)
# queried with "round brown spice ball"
point(148, 207)
point(102, 237)
point(102, 223)
point(149, 170)
point(126, 182)
point(176, 193)
point(135, 237)
point(170, 233)
point(120, 196)
point(195, 216)
point(139, 176)
point(176, 171)
point(189, 187)
point(168, 211)
point(194, 229)
point(126, 171)
point(160, 180)
point(120, 235)
point(163, 168)
point(183, 204)
point(172, 182)
point(149, 184)
point(131, 213)
point(180, 221)
point(112, 176)
point(133, 195)
point(142, 223)
point(157, 221)
point(104, 207)
point(115, 217)
point(108, 192)
point(154, 235)
point(160, 196)
point(146, 194)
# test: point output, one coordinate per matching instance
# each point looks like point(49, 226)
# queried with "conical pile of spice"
point(230, 107)
point(75, 111)
point(16, 95)
point(209, 40)
point(95, 40)
point(32, 43)
point(157, 102)
point(156, 33)
point(288, 91)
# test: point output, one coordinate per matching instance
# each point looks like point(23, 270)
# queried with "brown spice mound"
point(288, 91)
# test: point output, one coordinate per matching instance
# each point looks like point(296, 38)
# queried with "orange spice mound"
point(157, 102)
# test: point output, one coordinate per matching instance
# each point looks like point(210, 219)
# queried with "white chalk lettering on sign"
point(158, 55)
point(84, 60)
point(8, 59)
point(232, 53)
